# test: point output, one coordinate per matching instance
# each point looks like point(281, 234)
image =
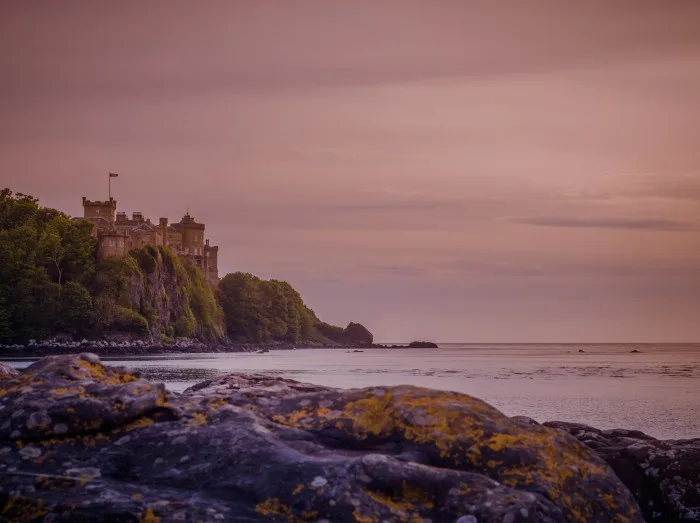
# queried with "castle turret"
point(192, 235)
point(163, 226)
point(111, 244)
point(211, 253)
point(99, 209)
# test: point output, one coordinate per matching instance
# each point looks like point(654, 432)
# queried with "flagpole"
point(109, 177)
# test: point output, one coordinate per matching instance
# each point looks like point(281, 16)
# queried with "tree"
point(40, 250)
point(52, 249)
point(68, 249)
point(77, 312)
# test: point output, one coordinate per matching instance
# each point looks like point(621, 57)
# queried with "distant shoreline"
point(143, 348)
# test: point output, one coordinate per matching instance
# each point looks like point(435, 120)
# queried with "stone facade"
point(117, 234)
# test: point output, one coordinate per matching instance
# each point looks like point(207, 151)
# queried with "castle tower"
point(163, 225)
point(192, 236)
point(99, 209)
point(211, 253)
point(111, 244)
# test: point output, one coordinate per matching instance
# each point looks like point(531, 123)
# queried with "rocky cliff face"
point(153, 292)
point(84, 442)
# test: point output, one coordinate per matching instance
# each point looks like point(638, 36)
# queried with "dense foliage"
point(50, 283)
point(271, 310)
point(263, 310)
point(46, 266)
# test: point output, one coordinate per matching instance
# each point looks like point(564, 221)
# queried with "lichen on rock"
point(81, 441)
point(664, 476)
point(7, 372)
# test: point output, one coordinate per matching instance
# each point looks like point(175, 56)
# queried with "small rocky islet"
point(82, 442)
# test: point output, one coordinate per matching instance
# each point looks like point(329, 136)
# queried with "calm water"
point(656, 390)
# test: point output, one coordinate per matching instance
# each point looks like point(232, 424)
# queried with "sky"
point(483, 171)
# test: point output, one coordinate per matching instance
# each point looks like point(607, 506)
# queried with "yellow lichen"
point(138, 424)
point(149, 516)
point(275, 509)
point(198, 419)
point(360, 518)
point(98, 372)
point(405, 505)
point(21, 510)
point(465, 432)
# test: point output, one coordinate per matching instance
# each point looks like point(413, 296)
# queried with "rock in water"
point(83, 442)
point(664, 476)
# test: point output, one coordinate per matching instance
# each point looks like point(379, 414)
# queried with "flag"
point(113, 175)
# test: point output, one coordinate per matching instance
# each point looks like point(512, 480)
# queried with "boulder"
point(7, 372)
point(664, 476)
point(422, 345)
point(83, 442)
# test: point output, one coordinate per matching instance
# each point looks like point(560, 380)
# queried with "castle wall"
point(174, 239)
point(193, 238)
point(111, 246)
point(212, 255)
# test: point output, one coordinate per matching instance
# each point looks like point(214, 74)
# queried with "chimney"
point(163, 222)
point(121, 216)
point(137, 217)
point(207, 242)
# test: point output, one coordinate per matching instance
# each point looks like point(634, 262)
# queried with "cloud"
point(654, 224)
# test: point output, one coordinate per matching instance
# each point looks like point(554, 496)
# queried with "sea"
point(654, 388)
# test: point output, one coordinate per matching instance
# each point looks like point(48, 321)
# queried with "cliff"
point(153, 292)
point(82, 442)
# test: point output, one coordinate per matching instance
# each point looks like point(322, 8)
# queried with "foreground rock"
point(82, 442)
point(7, 372)
point(664, 476)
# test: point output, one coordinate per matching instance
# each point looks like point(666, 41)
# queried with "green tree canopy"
point(40, 250)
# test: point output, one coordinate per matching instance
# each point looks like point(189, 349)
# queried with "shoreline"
point(141, 348)
point(180, 346)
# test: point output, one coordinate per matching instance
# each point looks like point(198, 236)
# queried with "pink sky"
point(458, 171)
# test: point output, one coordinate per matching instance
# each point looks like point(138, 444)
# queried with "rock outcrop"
point(664, 476)
point(7, 372)
point(83, 442)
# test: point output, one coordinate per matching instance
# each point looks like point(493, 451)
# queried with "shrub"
point(185, 326)
point(127, 320)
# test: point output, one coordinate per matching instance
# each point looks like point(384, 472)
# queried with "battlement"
point(111, 202)
point(99, 209)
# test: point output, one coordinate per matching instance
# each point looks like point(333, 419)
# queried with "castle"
point(117, 234)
